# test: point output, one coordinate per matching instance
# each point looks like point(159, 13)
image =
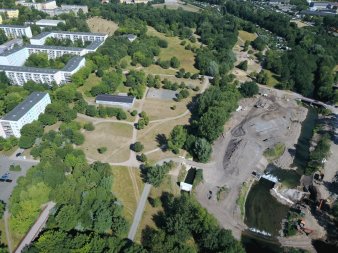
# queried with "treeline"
point(311, 45)
point(210, 112)
point(184, 226)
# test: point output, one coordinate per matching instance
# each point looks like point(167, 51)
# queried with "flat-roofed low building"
point(24, 113)
point(43, 23)
point(17, 31)
point(115, 100)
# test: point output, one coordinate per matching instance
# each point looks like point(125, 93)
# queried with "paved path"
point(36, 228)
point(139, 212)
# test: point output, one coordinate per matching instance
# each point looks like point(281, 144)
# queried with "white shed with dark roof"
point(115, 100)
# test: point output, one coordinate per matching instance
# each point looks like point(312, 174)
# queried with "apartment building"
point(19, 75)
point(24, 113)
point(43, 23)
point(73, 36)
point(47, 5)
point(10, 13)
point(10, 45)
point(17, 31)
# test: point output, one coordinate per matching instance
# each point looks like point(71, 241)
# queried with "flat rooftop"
point(115, 98)
point(70, 66)
point(54, 22)
point(13, 26)
point(21, 109)
point(44, 34)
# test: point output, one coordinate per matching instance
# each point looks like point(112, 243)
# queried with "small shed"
point(131, 37)
point(185, 187)
point(115, 100)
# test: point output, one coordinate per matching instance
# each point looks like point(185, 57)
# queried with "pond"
point(262, 210)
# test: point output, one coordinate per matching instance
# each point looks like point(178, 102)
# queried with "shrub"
point(102, 150)
point(133, 113)
point(89, 126)
point(137, 147)
point(14, 167)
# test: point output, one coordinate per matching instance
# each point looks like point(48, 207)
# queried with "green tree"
point(249, 89)
point(177, 138)
point(243, 65)
point(155, 174)
point(67, 217)
point(137, 146)
point(174, 62)
point(202, 150)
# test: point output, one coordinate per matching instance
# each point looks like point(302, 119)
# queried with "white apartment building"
point(48, 5)
point(24, 113)
point(20, 75)
point(17, 31)
point(73, 36)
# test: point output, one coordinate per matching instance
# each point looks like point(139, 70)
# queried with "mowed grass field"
point(243, 35)
point(114, 136)
point(127, 187)
point(160, 109)
point(174, 48)
point(100, 25)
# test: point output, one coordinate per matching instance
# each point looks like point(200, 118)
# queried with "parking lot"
point(6, 188)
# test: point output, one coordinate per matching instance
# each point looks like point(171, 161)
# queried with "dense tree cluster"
point(185, 226)
point(216, 31)
point(317, 156)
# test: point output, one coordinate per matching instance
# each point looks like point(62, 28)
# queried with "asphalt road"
point(6, 188)
point(139, 212)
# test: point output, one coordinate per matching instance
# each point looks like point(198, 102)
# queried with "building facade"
point(24, 113)
point(16, 31)
point(73, 36)
point(10, 13)
point(19, 75)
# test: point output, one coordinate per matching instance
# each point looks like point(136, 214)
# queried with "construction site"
point(259, 124)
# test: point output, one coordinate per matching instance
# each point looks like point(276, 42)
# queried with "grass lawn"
point(148, 136)
point(160, 109)
point(168, 185)
point(100, 25)
point(174, 48)
point(272, 81)
point(89, 83)
point(124, 189)
point(114, 136)
point(246, 35)
point(2, 232)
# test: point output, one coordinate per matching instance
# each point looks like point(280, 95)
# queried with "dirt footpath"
point(264, 122)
